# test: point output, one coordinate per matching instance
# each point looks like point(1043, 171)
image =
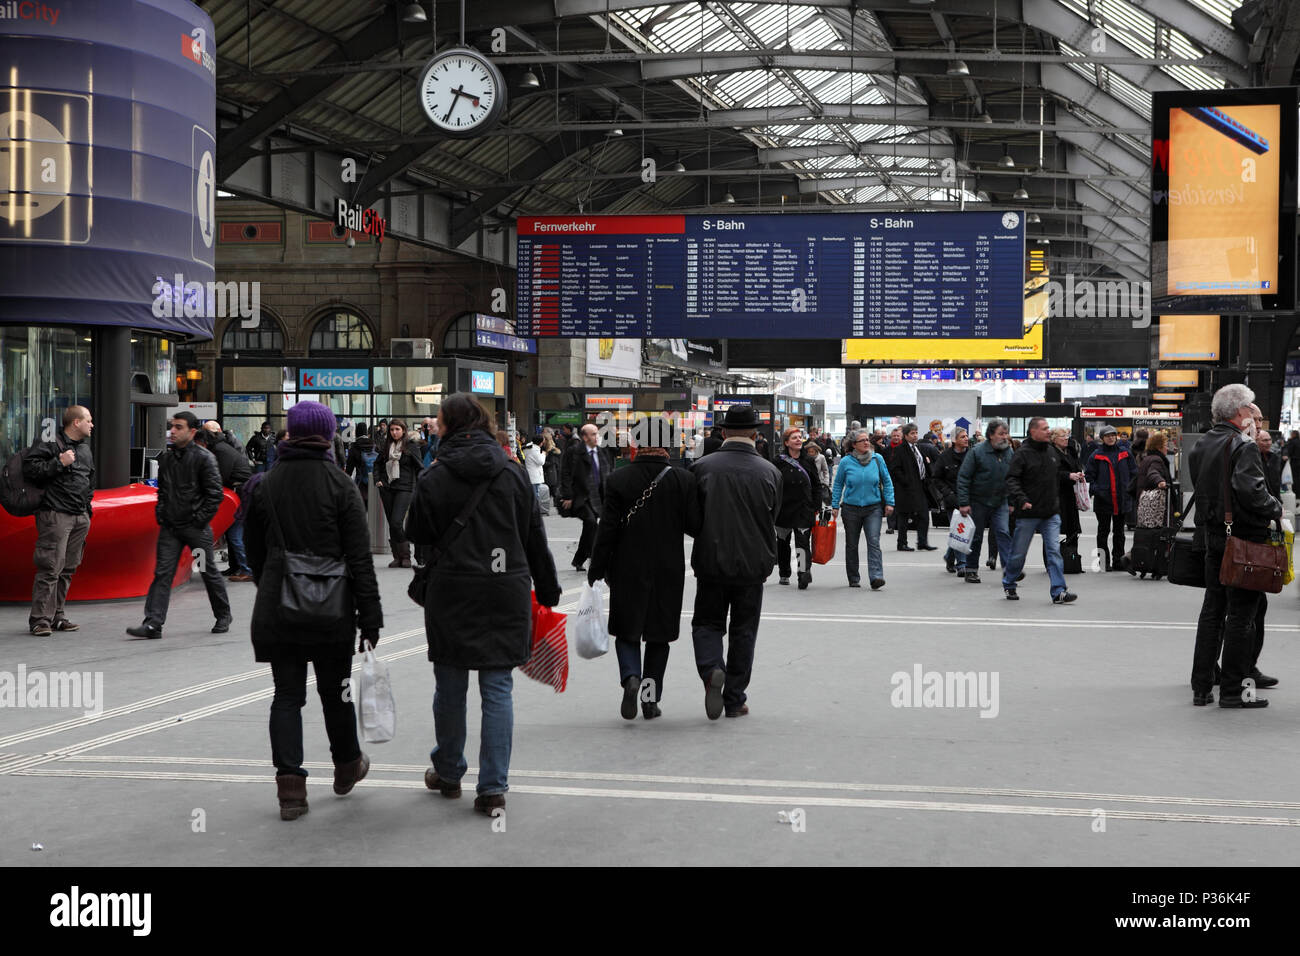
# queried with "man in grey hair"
point(1228, 614)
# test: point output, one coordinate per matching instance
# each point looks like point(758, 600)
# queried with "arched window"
point(265, 338)
point(341, 332)
point(460, 334)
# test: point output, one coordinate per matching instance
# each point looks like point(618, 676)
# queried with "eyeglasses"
point(859, 441)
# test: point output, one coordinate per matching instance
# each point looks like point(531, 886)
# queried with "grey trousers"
point(60, 540)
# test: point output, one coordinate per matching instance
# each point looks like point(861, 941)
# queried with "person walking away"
point(1070, 471)
point(800, 501)
point(429, 441)
point(273, 449)
point(1033, 488)
point(361, 458)
point(739, 498)
point(65, 469)
point(477, 608)
point(396, 468)
point(551, 466)
point(865, 492)
point(234, 469)
point(535, 465)
point(945, 488)
point(585, 469)
point(257, 447)
point(1109, 471)
point(895, 442)
point(649, 507)
point(1228, 614)
point(911, 474)
point(308, 505)
point(189, 496)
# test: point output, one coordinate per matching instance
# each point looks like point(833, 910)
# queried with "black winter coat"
point(356, 461)
point(477, 609)
point(1109, 471)
point(739, 495)
point(320, 511)
point(1273, 465)
point(643, 559)
point(232, 463)
point(944, 482)
point(67, 490)
point(1153, 469)
point(910, 495)
point(801, 493)
point(257, 446)
point(189, 487)
point(409, 466)
point(1068, 465)
point(1034, 477)
point(1252, 505)
point(551, 471)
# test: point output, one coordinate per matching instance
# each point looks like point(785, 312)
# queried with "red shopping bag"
point(548, 661)
point(823, 540)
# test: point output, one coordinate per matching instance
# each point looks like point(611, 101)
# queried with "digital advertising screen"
point(1189, 338)
point(1223, 181)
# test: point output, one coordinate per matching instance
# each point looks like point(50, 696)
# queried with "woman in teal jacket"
point(865, 492)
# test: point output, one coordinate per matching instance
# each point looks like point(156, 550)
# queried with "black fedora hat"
point(739, 417)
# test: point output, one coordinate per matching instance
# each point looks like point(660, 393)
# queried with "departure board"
point(832, 276)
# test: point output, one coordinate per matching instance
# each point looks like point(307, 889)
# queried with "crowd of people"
point(470, 500)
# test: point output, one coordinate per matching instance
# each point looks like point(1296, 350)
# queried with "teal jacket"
point(859, 484)
point(983, 476)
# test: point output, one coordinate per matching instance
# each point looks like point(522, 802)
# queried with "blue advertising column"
point(107, 188)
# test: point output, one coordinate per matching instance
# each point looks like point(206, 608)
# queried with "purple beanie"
point(311, 418)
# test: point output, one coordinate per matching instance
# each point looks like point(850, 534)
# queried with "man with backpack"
point(65, 468)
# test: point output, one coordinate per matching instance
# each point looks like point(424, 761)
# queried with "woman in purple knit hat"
point(315, 508)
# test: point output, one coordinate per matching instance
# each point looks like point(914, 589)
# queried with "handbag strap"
point(645, 495)
point(270, 507)
point(457, 524)
point(1227, 498)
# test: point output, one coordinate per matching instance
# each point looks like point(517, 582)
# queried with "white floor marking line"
point(13, 765)
point(721, 781)
point(782, 800)
point(169, 697)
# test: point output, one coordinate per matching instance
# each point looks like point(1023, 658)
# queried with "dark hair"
point(282, 434)
point(503, 438)
point(388, 433)
point(909, 428)
point(461, 412)
point(189, 418)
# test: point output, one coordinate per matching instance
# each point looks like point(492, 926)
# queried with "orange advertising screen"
point(1189, 338)
point(1223, 201)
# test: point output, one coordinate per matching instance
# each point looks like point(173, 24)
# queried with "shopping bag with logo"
point(548, 661)
point(591, 633)
point(1081, 499)
point(823, 539)
point(378, 710)
point(961, 530)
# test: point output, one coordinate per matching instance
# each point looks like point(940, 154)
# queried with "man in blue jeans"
point(1033, 485)
point(982, 493)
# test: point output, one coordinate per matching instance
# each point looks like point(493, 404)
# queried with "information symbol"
point(205, 198)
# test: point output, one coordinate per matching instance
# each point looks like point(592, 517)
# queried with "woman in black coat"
point(396, 469)
point(649, 505)
point(1154, 475)
point(801, 498)
point(477, 604)
point(307, 504)
point(1068, 469)
point(945, 489)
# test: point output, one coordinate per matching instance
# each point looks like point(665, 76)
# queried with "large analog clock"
point(462, 92)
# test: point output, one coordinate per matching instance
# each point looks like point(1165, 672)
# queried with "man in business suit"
point(911, 476)
point(583, 473)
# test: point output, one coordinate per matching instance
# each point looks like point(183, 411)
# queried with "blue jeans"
point(235, 539)
point(496, 731)
point(656, 662)
point(985, 515)
point(1050, 529)
point(856, 518)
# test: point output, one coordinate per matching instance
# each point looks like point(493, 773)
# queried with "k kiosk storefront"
point(359, 390)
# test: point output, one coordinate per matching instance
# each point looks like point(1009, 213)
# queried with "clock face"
point(1010, 220)
point(461, 92)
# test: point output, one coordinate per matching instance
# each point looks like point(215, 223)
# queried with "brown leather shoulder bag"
point(1253, 565)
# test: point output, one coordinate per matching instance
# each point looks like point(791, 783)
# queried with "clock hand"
point(451, 109)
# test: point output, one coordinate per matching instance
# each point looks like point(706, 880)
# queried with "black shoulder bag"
point(419, 586)
point(314, 589)
point(1186, 553)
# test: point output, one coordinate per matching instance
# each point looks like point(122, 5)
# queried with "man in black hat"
point(735, 550)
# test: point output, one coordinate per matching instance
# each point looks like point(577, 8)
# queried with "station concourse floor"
point(1096, 756)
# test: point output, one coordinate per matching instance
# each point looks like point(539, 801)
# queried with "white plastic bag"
point(544, 500)
point(378, 711)
point(961, 529)
point(591, 634)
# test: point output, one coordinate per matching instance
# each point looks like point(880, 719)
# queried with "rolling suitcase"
point(1150, 551)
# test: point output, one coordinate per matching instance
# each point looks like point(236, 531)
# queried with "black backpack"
point(17, 495)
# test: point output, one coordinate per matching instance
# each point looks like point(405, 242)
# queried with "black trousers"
point(586, 541)
point(171, 541)
point(802, 544)
point(920, 520)
point(290, 676)
point(1110, 526)
point(395, 505)
point(628, 652)
point(713, 601)
point(1227, 621)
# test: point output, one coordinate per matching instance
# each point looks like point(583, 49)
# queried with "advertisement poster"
point(614, 358)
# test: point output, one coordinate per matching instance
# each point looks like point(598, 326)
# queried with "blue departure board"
point(800, 275)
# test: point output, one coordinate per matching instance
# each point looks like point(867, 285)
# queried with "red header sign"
point(601, 225)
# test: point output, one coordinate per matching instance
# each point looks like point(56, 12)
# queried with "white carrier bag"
point(961, 529)
point(591, 633)
point(378, 710)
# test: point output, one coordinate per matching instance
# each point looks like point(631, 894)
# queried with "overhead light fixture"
point(414, 13)
point(677, 167)
point(1021, 193)
point(616, 131)
point(982, 196)
point(1034, 218)
point(530, 81)
point(728, 198)
point(984, 117)
point(958, 68)
point(1044, 242)
point(1006, 161)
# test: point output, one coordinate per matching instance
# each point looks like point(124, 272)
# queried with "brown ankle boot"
point(292, 791)
point(346, 776)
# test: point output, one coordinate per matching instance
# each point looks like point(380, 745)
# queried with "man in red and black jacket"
point(1109, 469)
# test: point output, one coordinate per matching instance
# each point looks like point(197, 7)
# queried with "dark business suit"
point(583, 482)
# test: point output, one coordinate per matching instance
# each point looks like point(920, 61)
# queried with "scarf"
point(862, 457)
point(394, 463)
